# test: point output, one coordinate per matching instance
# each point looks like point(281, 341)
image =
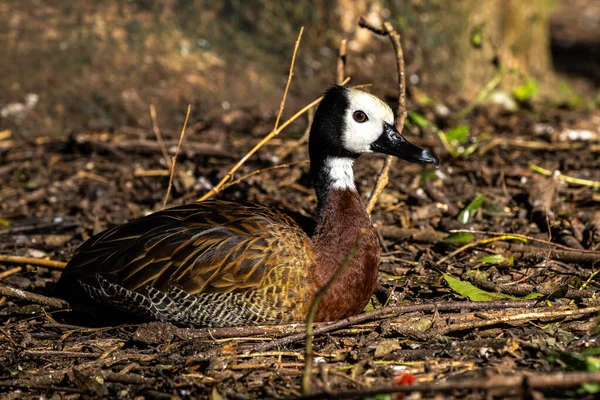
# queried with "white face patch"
point(358, 136)
point(340, 172)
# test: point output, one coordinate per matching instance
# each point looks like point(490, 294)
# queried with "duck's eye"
point(360, 116)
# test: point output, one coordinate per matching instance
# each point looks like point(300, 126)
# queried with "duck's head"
point(351, 122)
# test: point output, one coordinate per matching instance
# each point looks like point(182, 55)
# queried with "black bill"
point(393, 143)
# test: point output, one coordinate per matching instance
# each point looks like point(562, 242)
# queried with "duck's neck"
point(342, 223)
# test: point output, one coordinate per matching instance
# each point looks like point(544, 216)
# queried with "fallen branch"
point(148, 146)
point(519, 250)
point(390, 312)
point(528, 238)
point(33, 297)
point(525, 289)
point(497, 383)
point(567, 311)
point(528, 144)
point(41, 262)
point(558, 175)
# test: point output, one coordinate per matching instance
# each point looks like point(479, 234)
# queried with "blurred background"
point(97, 66)
point(505, 92)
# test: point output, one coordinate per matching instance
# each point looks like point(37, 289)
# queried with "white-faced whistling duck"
point(219, 263)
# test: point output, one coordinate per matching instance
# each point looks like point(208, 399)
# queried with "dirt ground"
point(57, 193)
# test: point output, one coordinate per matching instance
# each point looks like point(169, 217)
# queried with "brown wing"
point(209, 247)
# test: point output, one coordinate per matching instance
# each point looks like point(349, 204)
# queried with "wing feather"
point(210, 247)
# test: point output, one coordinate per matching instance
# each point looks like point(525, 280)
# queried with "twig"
point(273, 133)
point(528, 238)
point(150, 147)
point(289, 80)
point(287, 150)
point(502, 383)
point(570, 179)
point(159, 139)
point(519, 250)
point(261, 170)
point(308, 349)
point(33, 297)
point(341, 63)
point(392, 311)
point(187, 116)
point(380, 183)
point(42, 262)
point(477, 243)
point(525, 289)
point(383, 176)
point(528, 316)
point(10, 272)
point(527, 144)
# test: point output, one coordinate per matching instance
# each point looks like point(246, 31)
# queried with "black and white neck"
point(332, 173)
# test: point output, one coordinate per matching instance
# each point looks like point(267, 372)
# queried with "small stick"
point(159, 139)
point(477, 243)
point(258, 171)
point(529, 238)
point(383, 176)
point(289, 80)
point(276, 128)
point(10, 272)
point(308, 349)
point(41, 262)
point(494, 383)
point(286, 151)
point(341, 63)
point(525, 289)
point(392, 311)
point(528, 316)
point(187, 116)
point(380, 183)
point(566, 178)
point(33, 297)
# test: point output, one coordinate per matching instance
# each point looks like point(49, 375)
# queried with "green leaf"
point(477, 36)
point(4, 222)
point(591, 387)
point(472, 292)
point(493, 259)
point(466, 289)
point(466, 214)
point(369, 306)
point(460, 134)
point(526, 91)
point(592, 351)
point(493, 209)
point(459, 237)
point(419, 120)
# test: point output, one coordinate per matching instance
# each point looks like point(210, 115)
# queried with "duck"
point(219, 263)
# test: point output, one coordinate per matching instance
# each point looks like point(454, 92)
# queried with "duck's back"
point(214, 263)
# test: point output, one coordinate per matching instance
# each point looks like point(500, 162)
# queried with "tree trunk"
point(460, 45)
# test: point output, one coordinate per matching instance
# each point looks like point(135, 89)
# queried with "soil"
point(56, 193)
